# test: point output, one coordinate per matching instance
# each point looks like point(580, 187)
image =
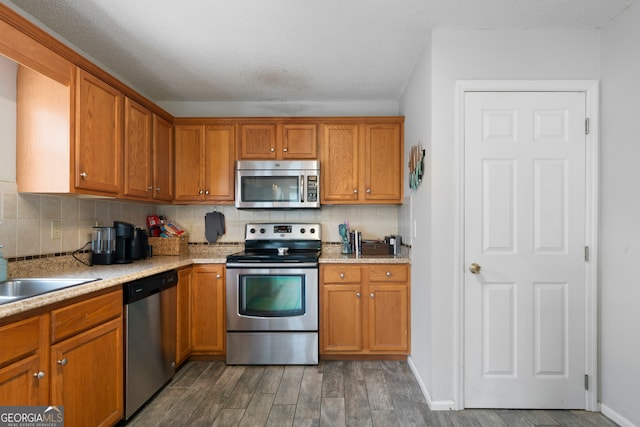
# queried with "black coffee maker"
point(124, 240)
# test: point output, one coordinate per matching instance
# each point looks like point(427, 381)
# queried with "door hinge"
point(586, 253)
point(586, 382)
point(586, 126)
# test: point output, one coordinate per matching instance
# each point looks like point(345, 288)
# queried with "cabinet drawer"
point(388, 273)
point(70, 320)
point(341, 274)
point(19, 339)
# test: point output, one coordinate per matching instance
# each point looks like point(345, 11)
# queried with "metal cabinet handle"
point(372, 295)
point(342, 275)
point(39, 375)
point(388, 274)
point(62, 362)
point(83, 175)
point(273, 149)
point(368, 191)
point(355, 191)
point(218, 276)
point(149, 188)
point(206, 192)
point(201, 192)
point(157, 188)
point(285, 149)
point(357, 294)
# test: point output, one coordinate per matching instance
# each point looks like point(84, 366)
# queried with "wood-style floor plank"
point(334, 393)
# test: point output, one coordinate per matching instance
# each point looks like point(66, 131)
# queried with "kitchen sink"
point(16, 289)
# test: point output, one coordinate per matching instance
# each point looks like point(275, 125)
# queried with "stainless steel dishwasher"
point(150, 337)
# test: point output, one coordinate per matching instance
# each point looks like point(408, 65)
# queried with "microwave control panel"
point(312, 188)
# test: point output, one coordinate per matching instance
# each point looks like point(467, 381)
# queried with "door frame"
point(591, 90)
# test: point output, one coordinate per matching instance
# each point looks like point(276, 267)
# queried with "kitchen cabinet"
point(204, 164)
point(148, 154)
point(278, 140)
point(87, 356)
point(362, 162)
point(208, 309)
point(137, 150)
point(98, 135)
point(77, 146)
point(23, 362)
point(71, 356)
point(364, 310)
point(183, 313)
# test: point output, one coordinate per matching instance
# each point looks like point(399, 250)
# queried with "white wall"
point(467, 55)
point(8, 72)
point(282, 109)
point(620, 219)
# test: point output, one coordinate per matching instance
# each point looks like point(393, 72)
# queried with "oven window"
point(269, 188)
point(272, 295)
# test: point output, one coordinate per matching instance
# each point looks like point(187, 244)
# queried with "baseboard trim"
point(615, 417)
point(434, 405)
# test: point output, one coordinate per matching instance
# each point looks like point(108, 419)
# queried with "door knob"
point(475, 268)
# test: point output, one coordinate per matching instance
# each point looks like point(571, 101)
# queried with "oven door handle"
point(302, 188)
point(283, 264)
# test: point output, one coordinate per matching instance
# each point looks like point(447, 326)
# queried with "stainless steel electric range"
point(272, 296)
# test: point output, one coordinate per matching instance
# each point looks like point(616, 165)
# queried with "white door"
point(525, 209)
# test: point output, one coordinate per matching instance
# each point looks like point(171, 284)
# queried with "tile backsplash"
point(25, 220)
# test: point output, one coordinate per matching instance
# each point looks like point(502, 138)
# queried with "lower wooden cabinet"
point(72, 357)
point(23, 362)
point(208, 310)
point(364, 309)
point(183, 321)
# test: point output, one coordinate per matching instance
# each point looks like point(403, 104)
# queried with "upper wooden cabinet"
point(98, 135)
point(77, 146)
point(362, 162)
point(148, 154)
point(278, 140)
point(204, 163)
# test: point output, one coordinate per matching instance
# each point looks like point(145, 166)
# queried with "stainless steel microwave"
point(277, 184)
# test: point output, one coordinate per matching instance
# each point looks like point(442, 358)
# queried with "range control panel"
point(283, 231)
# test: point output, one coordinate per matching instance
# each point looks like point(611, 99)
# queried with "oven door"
point(272, 297)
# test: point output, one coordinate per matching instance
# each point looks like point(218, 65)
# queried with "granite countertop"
point(115, 275)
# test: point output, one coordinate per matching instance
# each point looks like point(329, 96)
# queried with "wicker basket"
point(178, 245)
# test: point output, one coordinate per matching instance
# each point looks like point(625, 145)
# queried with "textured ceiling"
point(284, 50)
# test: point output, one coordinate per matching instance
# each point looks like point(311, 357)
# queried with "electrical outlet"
point(55, 229)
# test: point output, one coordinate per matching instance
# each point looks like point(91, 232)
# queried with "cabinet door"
point(20, 384)
point(299, 141)
point(207, 309)
point(219, 163)
point(258, 141)
point(340, 317)
point(162, 159)
point(388, 317)
point(87, 376)
point(189, 163)
point(383, 153)
point(183, 323)
point(137, 152)
point(340, 164)
point(98, 127)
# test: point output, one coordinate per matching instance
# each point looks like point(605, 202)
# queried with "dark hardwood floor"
point(334, 393)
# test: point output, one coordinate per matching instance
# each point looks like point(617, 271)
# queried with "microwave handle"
point(302, 188)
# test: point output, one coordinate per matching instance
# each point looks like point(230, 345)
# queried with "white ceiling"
point(284, 50)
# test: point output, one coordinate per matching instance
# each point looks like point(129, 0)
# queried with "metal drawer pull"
point(342, 275)
point(62, 362)
point(218, 276)
point(372, 295)
point(388, 274)
point(39, 375)
point(357, 294)
point(83, 175)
